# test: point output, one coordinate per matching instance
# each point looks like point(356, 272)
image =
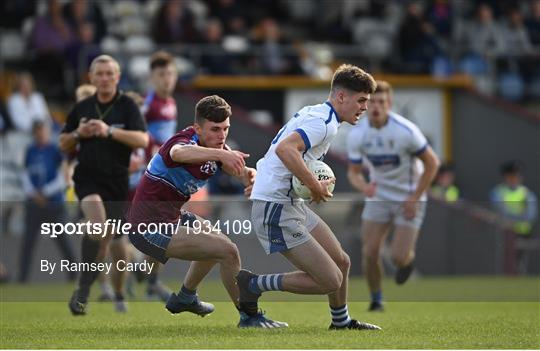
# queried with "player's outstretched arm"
point(248, 179)
point(289, 151)
point(233, 161)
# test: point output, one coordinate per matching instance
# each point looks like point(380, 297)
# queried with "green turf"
point(407, 324)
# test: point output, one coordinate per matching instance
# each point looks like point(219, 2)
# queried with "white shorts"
point(392, 212)
point(282, 226)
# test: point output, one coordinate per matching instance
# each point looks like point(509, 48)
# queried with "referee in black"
point(103, 129)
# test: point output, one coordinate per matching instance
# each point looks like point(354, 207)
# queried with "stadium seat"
point(374, 35)
point(137, 44)
point(11, 45)
point(441, 67)
point(511, 86)
point(110, 45)
point(474, 65)
point(138, 67)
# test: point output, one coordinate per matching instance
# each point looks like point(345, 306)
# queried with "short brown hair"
point(383, 87)
point(160, 59)
point(353, 78)
point(212, 108)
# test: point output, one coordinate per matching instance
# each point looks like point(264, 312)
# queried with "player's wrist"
point(110, 132)
point(313, 184)
point(221, 154)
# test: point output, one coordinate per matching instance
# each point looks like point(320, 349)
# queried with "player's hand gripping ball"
point(321, 171)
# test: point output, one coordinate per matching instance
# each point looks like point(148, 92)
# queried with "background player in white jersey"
point(402, 166)
point(283, 222)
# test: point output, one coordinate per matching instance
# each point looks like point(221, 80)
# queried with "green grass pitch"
point(434, 313)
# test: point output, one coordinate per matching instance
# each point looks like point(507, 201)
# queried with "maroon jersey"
point(166, 185)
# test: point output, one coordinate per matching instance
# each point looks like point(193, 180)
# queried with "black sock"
point(119, 296)
point(89, 252)
point(186, 291)
point(249, 308)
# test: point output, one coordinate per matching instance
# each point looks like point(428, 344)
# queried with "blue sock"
point(187, 296)
point(376, 296)
point(340, 316)
point(266, 282)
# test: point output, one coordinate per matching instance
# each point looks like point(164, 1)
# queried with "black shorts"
point(113, 192)
point(155, 244)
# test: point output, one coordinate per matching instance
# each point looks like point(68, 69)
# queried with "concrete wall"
point(487, 133)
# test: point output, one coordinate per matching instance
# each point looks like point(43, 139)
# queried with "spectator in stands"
point(5, 120)
point(218, 61)
point(483, 35)
point(231, 14)
point(49, 40)
point(274, 60)
point(444, 188)
point(439, 14)
point(26, 105)
point(418, 44)
point(43, 185)
point(517, 42)
point(83, 44)
point(532, 23)
point(174, 23)
point(6, 212)
point(14, 12)
point(518, 204)
point(80, 13)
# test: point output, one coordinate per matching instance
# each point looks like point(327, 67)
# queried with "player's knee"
point(344, 262)
point(332, 282)
point(230, 252)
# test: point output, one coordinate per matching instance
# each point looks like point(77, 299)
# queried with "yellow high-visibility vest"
point(515, 202)
point(451, 194)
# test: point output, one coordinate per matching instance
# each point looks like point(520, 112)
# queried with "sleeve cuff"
point(304, 137)
point(421, 150)
point(355, 160)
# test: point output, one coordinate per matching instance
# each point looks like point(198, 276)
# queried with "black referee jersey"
point(102, 162)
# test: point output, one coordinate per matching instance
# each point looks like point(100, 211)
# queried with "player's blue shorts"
point(155, 244)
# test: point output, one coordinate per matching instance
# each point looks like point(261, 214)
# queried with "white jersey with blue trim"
point(391, 154)
point(317, 125)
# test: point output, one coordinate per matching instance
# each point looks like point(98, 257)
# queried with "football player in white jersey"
point(282, 221)
point(402, 166)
